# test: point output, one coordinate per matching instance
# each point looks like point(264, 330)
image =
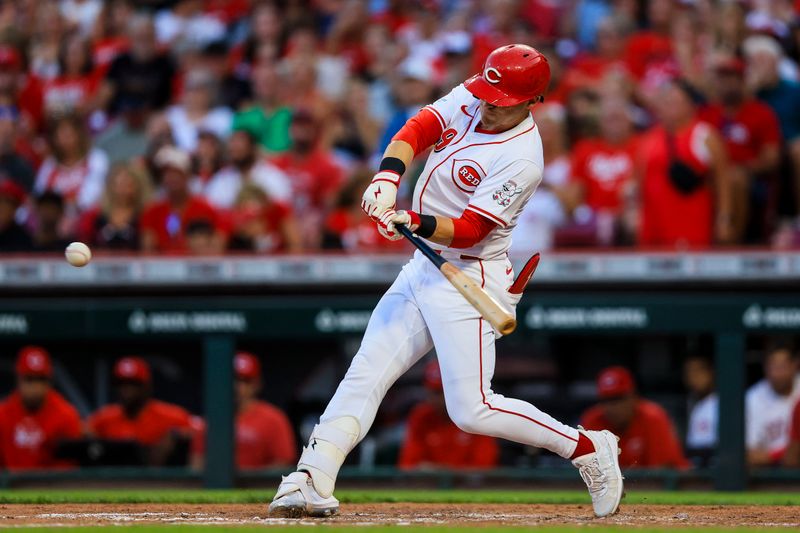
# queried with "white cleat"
point(296, 498)
point(600, 471)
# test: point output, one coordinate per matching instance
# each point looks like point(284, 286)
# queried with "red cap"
point(246, 366)
point(12, 191)
point(433, 376)
point(34, 361)
point(511, 75)
point(132, 369)
point(9, 57)
point(613, 382)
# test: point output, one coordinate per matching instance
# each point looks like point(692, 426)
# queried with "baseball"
point(78, 254)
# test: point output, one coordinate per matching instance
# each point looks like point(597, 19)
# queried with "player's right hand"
point(381, 195)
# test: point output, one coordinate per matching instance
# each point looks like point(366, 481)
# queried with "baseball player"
point(485, 165)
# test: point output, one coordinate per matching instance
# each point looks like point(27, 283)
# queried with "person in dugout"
point(162, 429)
point(264, 435)
point(434, 441)
point(647, 435)
point(35, 418)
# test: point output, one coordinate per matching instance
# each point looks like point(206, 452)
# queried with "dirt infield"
point(476, 515)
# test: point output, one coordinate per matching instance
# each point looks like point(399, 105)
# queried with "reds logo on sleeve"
point(506, 193)
point(467, 174)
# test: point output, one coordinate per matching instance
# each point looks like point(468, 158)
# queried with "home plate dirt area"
point(421, 514)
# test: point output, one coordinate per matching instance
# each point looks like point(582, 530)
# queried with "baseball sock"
point(584, 447)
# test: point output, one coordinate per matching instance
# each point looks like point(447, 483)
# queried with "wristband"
point(393, 164)
point(426, 224)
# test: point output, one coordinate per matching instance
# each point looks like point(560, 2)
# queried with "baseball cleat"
point(296, 498)
point(600, 471)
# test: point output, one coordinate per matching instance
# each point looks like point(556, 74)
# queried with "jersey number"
point(447, 137)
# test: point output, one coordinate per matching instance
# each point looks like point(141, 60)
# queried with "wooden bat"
point(487, 306)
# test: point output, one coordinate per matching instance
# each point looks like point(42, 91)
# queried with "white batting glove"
point(390, 218)
point(381, 195)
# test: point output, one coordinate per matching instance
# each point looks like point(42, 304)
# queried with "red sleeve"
point(420, 131)
point(484, 452)
point(470, 229)
point(794, 435)
point(72, 424)
point(665, 449)
point(413, 451)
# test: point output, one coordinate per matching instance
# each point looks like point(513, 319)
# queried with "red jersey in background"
point(28, 440)
point(669, 217)
point(603, 170)
point(315, 179)
point(649, 441)
point(151, 424)
point(432, 439)
point(748, 131)
point(170, 226)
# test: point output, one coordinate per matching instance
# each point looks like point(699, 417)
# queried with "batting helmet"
point(511, 75)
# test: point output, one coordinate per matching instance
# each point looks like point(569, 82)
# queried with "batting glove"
point(391, 217)
point(381, 195)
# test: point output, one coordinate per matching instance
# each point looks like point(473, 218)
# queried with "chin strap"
point(327, 448)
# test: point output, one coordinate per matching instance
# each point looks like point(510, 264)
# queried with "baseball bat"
point(487, 306)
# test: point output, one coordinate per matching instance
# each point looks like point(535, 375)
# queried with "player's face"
point(32, 391)
point(780, 370)
point(619, 411)
point(246, 390)
point(698, 376)
point(131, 393)
point(498, 118)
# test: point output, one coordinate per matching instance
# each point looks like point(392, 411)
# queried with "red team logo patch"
point(447, 137)
point(467, 175)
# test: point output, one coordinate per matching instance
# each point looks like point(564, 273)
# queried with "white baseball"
point(78, 254)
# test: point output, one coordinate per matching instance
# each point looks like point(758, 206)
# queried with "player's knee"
point(466, 416)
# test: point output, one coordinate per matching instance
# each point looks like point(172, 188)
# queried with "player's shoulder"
point(61, 404)
point(758, 392)
point(266, 409)
point(652, 411)
point(168, 410)
point(106, 413)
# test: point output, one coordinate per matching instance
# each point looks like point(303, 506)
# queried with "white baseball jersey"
point(702, 429)
point(768, 416)
point(491, 174)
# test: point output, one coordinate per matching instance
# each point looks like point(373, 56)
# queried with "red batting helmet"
point(511, 75)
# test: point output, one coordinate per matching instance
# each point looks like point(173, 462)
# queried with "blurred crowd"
point(201, 126)
point(41, 429)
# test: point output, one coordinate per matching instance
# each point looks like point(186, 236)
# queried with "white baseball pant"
point(422, 310)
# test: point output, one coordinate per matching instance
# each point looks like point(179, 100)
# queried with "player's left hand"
point(391, 217)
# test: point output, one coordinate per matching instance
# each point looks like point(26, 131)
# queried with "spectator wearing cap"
point(157, 426)
point(34, 418)
point(753, 140)
point(75, 170)
point(764, 57)
point(268, 118)
point(647, 435)
point(196, 112)
point(433, 441)
point(140, 74)
point(313, 173)
point(13, 237)
point(264, 435)
point(114, 224)
point(245, 166)
point(685, 169)
point(47, 219)
point(164, 222)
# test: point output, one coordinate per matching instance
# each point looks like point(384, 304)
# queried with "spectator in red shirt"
point(603, 172)
point(164, 223)
point(73, 90)
point(159, 427)
point(314, 175)
point(753, 140)
point(647, 435)
point(686, 192)
point(433, 441)
point(791, 456)
point(34, 418)
point(261, 224)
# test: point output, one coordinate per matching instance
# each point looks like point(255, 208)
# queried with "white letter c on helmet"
point(493, 71)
